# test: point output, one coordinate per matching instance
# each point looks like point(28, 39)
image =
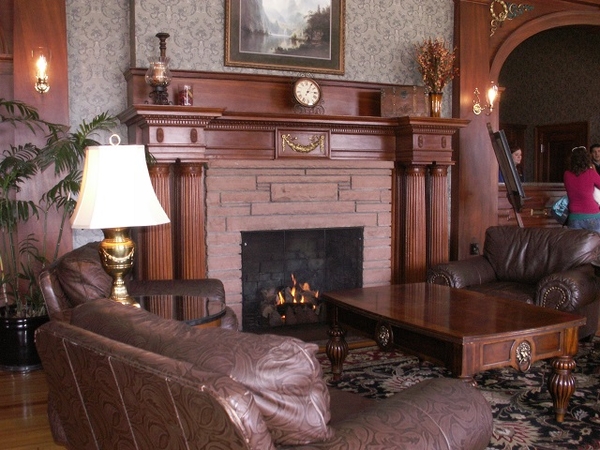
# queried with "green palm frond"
point(65, 151)
point(17, 112)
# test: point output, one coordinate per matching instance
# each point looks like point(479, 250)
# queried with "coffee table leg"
point(336, 350)
point(337, 347)
point(561, 385)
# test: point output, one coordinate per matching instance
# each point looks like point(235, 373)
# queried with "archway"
point(555, 20)
point(550, 82)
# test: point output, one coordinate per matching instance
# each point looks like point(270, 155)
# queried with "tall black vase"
point(17, 342)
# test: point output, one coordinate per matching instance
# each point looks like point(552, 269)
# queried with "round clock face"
point(307, 92)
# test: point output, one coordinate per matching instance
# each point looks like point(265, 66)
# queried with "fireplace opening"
point(284, 273)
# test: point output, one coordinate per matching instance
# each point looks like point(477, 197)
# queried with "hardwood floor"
point(23, 420)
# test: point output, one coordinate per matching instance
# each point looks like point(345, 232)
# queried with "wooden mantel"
point(190, 137)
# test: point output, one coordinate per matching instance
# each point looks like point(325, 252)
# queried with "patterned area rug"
point(521, 403)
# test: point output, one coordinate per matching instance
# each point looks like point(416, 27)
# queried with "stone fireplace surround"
point(296, 194)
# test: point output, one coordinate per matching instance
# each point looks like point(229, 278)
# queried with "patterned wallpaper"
point(380, 39)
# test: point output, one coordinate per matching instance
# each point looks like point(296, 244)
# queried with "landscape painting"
point(302, 35)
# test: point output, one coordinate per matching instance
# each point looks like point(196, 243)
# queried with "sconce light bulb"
point(492, 93)
point(41, 65)
point(41, 57)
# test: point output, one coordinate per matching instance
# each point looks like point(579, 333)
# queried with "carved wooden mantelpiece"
point(421, 148)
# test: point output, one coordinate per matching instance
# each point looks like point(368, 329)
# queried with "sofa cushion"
point(282, 373)
point(82, 276)
point(526, 255)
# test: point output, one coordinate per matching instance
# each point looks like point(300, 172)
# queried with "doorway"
point(553, 144)
point(550, 85)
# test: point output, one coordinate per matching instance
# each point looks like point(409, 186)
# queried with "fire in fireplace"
point(284, 272)
point(292, 305)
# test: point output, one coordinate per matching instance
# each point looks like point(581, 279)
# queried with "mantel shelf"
point(135, 112)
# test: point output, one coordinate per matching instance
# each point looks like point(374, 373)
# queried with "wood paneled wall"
point(41, 24)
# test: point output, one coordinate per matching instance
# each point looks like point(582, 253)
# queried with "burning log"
point(291, 305)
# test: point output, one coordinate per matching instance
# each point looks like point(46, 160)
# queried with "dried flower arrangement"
point(436, 64)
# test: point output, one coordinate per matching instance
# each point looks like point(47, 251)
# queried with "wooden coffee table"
point(466, 331)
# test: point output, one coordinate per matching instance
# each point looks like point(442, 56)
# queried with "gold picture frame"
point(316, 43)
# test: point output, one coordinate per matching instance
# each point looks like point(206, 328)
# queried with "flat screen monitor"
point(514, 187)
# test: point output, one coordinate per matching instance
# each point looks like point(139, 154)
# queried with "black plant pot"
point(17, 342)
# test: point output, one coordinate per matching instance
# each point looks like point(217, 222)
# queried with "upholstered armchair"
point(78, 277)
point(549, 267)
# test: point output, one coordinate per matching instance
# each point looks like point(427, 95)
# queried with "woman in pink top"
point(580, 181)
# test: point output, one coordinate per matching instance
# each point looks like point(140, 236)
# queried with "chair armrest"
point(57, 303)
point(460, 274)
point(210, 288)
point(568, 290)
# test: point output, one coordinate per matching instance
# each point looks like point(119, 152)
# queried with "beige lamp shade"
point(116, 191)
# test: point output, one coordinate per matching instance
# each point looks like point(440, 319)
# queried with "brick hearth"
point(296, 194)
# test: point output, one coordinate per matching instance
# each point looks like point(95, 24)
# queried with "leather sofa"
point(78, 277)
point(121, 377)
point(549, 267)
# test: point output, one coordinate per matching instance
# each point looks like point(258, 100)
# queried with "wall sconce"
point(41, 58)
point(491, 95)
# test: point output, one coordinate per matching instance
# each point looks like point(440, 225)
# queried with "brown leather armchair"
point(78, 277)
point(550, 267)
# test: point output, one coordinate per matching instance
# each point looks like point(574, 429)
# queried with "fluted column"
point(415, 237)
point(156, 244)
point(437, 209)
point(420, 204)
point(190, 238)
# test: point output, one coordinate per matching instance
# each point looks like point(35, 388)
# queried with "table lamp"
point(117, 194)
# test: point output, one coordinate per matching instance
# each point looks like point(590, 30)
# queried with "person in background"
point(580, 181)
point(595, 152)
point(517, 156)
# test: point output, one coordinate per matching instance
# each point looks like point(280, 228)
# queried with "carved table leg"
point(336, 350)
point(562, 385)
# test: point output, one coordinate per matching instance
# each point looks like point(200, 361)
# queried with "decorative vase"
point(435, 104)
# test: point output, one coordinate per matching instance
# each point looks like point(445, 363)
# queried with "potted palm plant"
point(22, 257)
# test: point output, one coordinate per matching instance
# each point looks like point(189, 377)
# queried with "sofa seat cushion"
point(440, 414)
point(282, 373)
point(522, 292)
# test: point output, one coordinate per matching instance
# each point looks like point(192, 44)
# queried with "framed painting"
point(300, 35)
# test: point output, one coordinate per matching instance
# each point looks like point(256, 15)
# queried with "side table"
point(193, 310)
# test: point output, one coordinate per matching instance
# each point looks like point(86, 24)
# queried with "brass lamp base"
point(116, 253)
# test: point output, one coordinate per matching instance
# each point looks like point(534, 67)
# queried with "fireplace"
point(284, 272)
point(237, 173)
